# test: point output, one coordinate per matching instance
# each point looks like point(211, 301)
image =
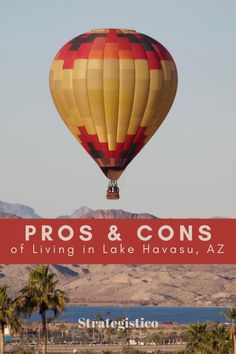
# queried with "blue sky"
point(188, 169)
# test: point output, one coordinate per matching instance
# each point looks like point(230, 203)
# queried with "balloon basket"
point(113, 191)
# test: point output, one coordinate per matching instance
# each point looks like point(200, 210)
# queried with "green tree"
point(219, 340)
point(209, 339)
point(230, 315)
point(9, 315)
point(40, 295)
point(197, 338)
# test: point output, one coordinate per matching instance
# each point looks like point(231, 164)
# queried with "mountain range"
point(17, 209)
point(129, 284)
point(8, 210)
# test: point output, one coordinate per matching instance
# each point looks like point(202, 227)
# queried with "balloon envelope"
point(113, 88)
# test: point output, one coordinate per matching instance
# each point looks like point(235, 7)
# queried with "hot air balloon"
point(113, 88)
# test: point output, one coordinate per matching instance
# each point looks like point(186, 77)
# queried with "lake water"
point(160, 314)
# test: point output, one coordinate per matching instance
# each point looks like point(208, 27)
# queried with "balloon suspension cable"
point(113, 190)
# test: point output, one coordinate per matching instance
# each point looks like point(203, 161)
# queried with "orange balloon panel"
point(113, 88)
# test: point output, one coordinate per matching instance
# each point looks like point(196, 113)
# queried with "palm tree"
point(197, 338)
point(208, 338)
point(219, 340)
point(231, 316)
point(9, 315)
point(40, 295)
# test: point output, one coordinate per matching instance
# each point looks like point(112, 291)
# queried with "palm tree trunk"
point(233, 333)
point(44, 333)
point(2, 339)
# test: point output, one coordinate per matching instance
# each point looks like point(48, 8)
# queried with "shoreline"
point(134, 304)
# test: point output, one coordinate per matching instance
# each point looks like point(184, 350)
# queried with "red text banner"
point(118, 241)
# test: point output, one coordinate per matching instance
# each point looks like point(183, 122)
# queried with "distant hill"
point(116, 214)
point(25, 212)
point(87, 213)
point(79, 213)
point(144, 284)
point(20, 210)
point(9, 216)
